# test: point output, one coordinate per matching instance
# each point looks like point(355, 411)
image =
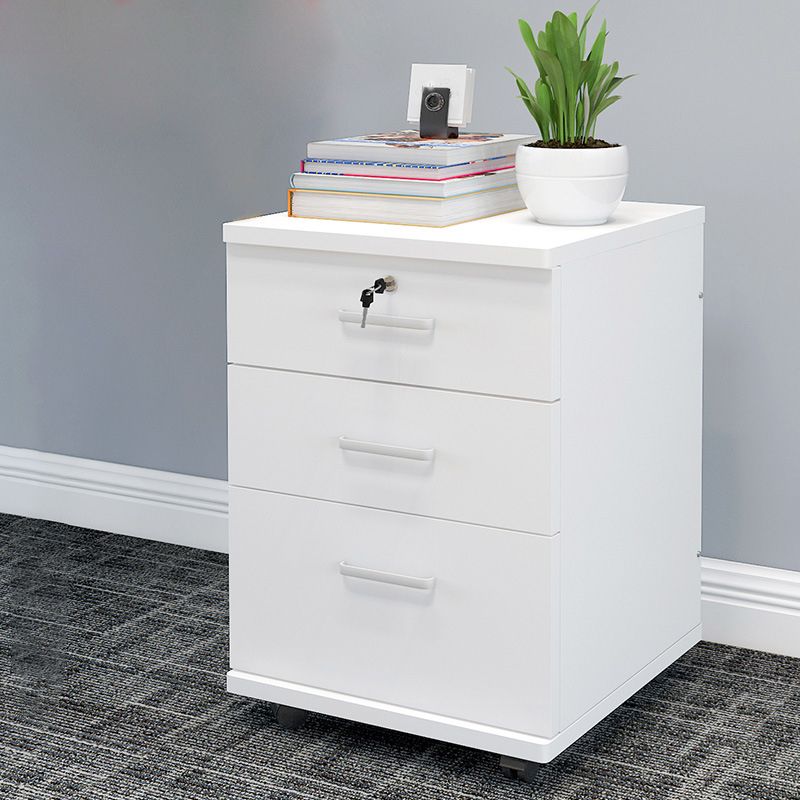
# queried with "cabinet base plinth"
point(449, 729)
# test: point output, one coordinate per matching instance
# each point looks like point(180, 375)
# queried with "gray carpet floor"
point(113, 654)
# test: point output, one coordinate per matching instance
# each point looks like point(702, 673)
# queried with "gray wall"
point(131, 129)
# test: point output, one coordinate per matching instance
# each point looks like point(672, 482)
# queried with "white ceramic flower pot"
point(572, 186)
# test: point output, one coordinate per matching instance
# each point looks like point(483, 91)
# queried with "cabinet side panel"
point(631, 424)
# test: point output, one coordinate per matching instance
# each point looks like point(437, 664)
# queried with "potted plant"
point(569, 177)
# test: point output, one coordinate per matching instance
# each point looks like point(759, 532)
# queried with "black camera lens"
point(434, 101)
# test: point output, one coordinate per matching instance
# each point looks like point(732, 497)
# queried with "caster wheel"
point(290, 718)
point(516, 769)
point(509, 773)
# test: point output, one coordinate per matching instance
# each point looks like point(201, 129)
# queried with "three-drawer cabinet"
point(477, 517)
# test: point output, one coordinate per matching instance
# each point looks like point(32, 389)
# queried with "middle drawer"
point(471, 458)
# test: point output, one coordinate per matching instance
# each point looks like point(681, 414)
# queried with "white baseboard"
point(751, 606)
point(151, 504)
point(743, 605)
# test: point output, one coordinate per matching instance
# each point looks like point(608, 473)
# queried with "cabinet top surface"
point(515, 239)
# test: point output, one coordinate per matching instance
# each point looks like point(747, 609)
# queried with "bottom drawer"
point(439, 616)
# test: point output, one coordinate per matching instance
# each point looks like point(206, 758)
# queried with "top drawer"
point(474, 328)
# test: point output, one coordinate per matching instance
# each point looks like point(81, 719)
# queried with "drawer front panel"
point(439, 616)
point(472, 458)
point(486, 329)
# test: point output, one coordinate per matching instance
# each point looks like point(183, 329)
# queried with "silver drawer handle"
point(378, 449)
point(388, 321)
point(409, 581)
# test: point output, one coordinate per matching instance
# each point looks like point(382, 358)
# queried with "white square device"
point(459, 78)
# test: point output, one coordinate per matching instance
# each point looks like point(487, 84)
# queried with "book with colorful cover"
point(406, 147)
point(417, 172)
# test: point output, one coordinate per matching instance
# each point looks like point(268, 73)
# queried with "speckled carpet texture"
point(114, 654)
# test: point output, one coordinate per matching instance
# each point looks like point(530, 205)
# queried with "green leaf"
point(555, 78)
point(521, 85)
point(527, 36)
point(542, 41)
point(599, 108)
point(585, 70)
point(541, 121)
point(596, 83)
point(608, 101)
point(545, 100)
point(595, 56)
point(525, 94)
point(603, 84)
point(530, 42)
point(548, 33)
point(588, 16)
point(565, 38)
point(543, 96)
point(527, 103)
point(599, 43)
point(520, 82)
point(573, 18)
point(617, 81)
point(582, 32)
point(602, 106)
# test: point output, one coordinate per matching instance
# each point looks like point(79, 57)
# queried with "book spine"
point(353, 162)
point(289, 212)
point(404, 197)
point(419, 178)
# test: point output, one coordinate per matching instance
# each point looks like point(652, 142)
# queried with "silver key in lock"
point(381, 285)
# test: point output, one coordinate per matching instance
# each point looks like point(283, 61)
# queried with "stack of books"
point(401, 179)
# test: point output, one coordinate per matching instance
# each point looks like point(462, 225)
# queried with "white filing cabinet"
point(478, 518)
